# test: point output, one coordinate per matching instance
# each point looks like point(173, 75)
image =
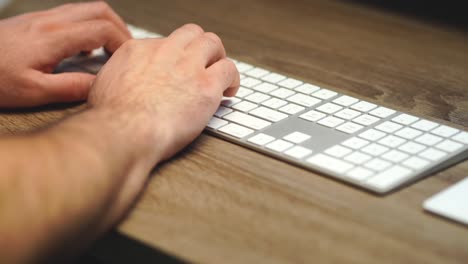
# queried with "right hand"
point(172, 85)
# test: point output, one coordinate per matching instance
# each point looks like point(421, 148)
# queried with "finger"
point(224, 75)
point(206, 49)
point(87, 35)
point(182, 36)
point(65, 87)
point(78, 12)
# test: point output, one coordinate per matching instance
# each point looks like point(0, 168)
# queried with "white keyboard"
point(359, 142)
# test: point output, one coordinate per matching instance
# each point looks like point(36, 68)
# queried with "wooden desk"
point(220, 203)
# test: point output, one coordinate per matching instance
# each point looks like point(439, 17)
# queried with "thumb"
point(67, 87)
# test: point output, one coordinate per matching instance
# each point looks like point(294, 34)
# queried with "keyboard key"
point(363, 106)
point(408, 133)
point(296, 137)
point(324, 94)
point(236, 130)
point(230, 101)
point(298, 152)
point(392, 141)
point(388, 126)
point(268, 114)
point(372, 134)
point(257, 97)
point(274, 103)
point(273, 77)
point(428, 139)
point(243, 67)
point(412, 147)
point(265, 87)
point(375, 149)
point(449, 146)
point(445, 131)
point(330, 121)
point(222, 111)
point(329, 108)
point(415, 163)
point(389, 178)
point(357, 157)
point(359, 174)
point(424, 125)
point(257, 72)
point(329, 163)
point(292, 109)
point(347, 114)
point(250, 82)
point(395, 156)
point(290, 83)
point(349, 128)
point(338, 151)
point(282, 93)
point(432, 154)
point(216, 123)
point(247, 120)
point(405, 119)
point(355, 143)
point(313, 116)
point(366, 120)
point(382, 112)
point(304, 100)
point(345, 100)
point(377, 164)
point(307, 88)
point(261, 139)
point(461, 137)
point(244, 106)
point(243, 92)
point(279, 145)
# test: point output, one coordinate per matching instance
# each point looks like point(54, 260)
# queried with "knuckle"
point(214, 39)
point(101, 6)
point(194, 28)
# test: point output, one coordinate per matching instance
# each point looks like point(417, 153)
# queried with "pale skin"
point(75, 180)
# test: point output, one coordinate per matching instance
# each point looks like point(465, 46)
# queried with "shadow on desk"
point(118, 249)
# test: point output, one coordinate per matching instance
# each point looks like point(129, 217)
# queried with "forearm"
point(69, 177)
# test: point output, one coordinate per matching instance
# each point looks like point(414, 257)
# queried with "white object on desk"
point(451, 202)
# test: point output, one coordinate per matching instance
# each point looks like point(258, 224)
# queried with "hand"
point(32, 45)
point(173, 84)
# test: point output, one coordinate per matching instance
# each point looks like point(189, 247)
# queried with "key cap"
point(412, 147)
point(282, 93)
point(265, 87)
point(395, 156)
point(449, 146)
point(349, 128)
point(408, 133)
point(363, 106)
point(273, 78)
point(243, 67)
point(279, 145)
point(329, 108)
point(324, 94)
point(330, 121)
point(345, 100)
point(292, 109)
point(389, 178)
point(377, 164)
point(366, 120)
point(304, 100)
point(329, 163)
point(274, 103)
point(375, 149)
point(445, 131)
point(424, 125)
point(257, 97)
point(359, 174)
point(230, 101)
point(298, 152)
point(428, 139)
point(388, 127)
point(357, 157)
point(338, 151)
point(415, 163)
point(257, 72)
point(461, 137)
point(290, 83)
point(247, 120)
point(392, 141)
point(236, 130)
point(216, 123)
point(432, 154)
point(347, 114)
point(296, 137)
point(307, 88)
point(261, 139)
point(250, 82)
point(372, 134)
point(243, 92)
point(222, 111)
point(405, 119)
point(244, 106)
point(355, 143)
point(268, 114)
point(382, 112)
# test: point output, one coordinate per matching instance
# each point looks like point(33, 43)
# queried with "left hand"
point(33, 44)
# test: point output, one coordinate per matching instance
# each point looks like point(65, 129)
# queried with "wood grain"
point(220, 203)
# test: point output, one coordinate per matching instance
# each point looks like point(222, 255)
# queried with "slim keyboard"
point(359, 142)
